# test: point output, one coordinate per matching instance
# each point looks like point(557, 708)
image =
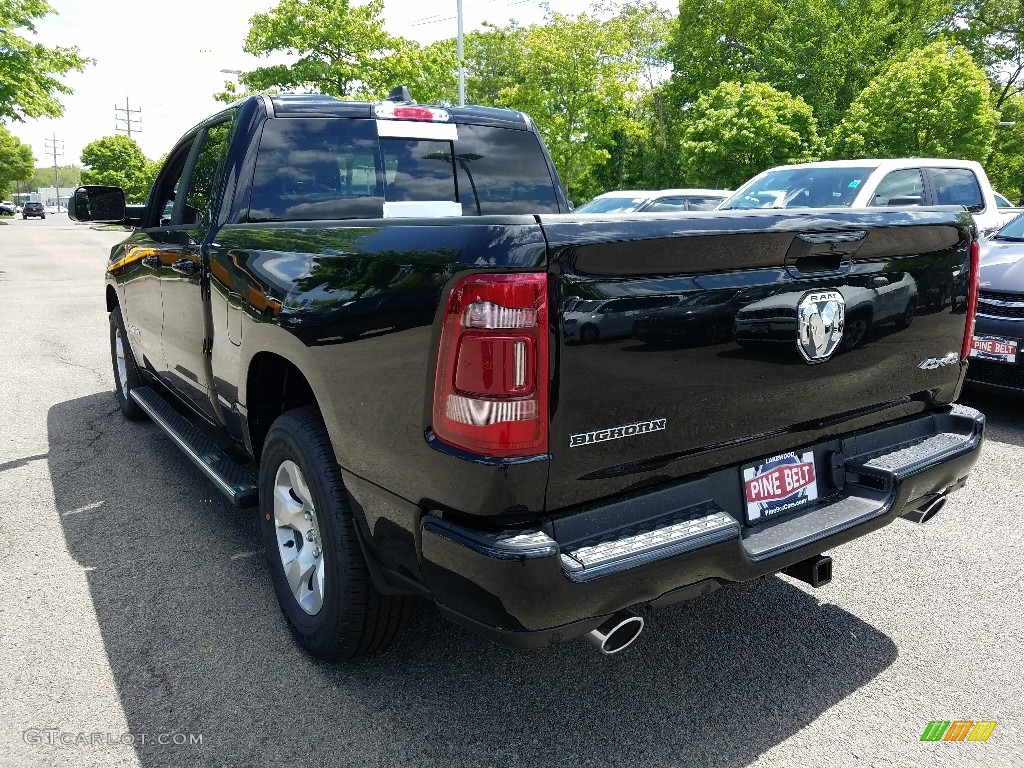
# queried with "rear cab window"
point(339, 168)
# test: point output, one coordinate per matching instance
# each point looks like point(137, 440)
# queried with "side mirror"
point(97, 203)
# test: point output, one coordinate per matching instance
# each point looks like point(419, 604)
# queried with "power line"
point(427, 20)
point(128, 120)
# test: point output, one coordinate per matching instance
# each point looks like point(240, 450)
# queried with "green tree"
point(118, 161)
point(936, 102)
point(825, 51)
point(993, 31)
point(16, 162)
point(740, 129)
point(67, 176)
point(644, 150)
point(1005, 165)
point(494, 58)
point(342, 49)
point(29, 72)
point(572, 81)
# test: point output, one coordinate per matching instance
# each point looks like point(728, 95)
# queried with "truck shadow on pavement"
point(196, 645)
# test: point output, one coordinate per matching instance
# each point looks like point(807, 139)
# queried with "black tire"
point(945, 295)
point(855, 331)
point(904, 320)
point(122, 391)
point(354, 619)
point(716, 333)
point(589, 334)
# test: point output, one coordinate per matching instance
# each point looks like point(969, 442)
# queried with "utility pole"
point(462, 63)
point(127, 119)
point(56, 148)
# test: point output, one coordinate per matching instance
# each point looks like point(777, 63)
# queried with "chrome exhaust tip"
point(617, 633)
point(926, 511)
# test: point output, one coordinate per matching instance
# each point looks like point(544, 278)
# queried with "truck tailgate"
point(696, 341)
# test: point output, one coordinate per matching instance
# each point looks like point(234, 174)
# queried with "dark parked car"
point(7, 208)
point(999, 329)
point(33, 209)
point(706, 317)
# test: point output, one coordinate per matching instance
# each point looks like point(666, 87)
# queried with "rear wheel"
point(317, 567)
point(126, 373)
point(904, 320)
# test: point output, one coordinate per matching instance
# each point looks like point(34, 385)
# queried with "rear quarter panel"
point(354, 308)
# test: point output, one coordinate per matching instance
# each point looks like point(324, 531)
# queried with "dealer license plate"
point(779, 484)
point(994, 348)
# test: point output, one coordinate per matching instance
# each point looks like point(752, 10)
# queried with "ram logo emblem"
point(821, 317)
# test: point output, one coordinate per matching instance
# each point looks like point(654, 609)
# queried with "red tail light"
point(491, 386)
point(973, 286)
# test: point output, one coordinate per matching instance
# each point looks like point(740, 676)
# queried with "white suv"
point(874, 183)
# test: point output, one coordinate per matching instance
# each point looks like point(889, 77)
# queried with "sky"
point(165, 59)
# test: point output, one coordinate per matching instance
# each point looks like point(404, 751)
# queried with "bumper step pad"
point(666, 536)
point(234, 480)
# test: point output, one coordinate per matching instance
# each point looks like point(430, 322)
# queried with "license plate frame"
point(997, 349)
point(778, 484)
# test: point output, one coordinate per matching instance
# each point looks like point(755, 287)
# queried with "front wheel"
point(855, 330)
point(317, 567)
point(126, 373)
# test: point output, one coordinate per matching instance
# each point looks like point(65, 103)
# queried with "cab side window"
point(167, 185)
point(205, 179)
point(668, 205)
point(906, 184)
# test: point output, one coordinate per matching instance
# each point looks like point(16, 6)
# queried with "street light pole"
point(462, 63)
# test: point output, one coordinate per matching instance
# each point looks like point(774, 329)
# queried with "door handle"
point(153, 262)
point(185, 266)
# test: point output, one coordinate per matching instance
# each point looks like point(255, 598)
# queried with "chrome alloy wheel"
point(298, 537)
point(122, 364)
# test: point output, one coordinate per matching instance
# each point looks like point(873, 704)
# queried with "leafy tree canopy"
point(825, 51)
point(29, 72)
point(572, 80)
point(1005, 165)
point(993, 31)
point(341, 49)
point(67, 176)
point(740, 129)
point(118, 161)
point(935, 102)
point(16, 161)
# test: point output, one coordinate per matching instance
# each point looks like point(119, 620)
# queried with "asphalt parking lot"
point(137, 617)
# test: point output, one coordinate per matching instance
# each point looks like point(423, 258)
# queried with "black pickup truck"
point(350, 315)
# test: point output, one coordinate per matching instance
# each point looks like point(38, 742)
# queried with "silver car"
point(661, 201)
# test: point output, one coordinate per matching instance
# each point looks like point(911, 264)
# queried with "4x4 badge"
point(821, 316)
